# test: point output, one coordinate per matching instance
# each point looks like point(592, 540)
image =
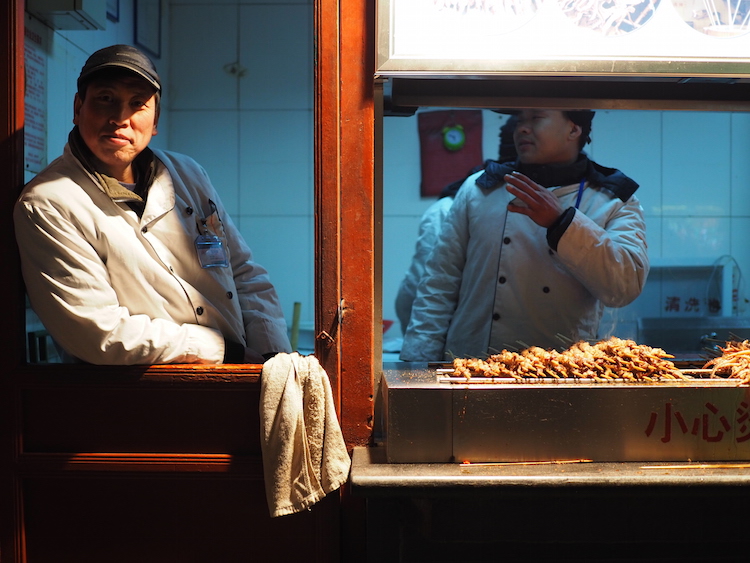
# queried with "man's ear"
point(575, 132)
point(77, 103)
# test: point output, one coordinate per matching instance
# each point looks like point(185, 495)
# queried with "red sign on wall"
point(450, 146)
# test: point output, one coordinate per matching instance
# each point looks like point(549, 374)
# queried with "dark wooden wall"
point(162, 463)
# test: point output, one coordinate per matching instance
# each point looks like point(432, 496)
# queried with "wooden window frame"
point(348, 313)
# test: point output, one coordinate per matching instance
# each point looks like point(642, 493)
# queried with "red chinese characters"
point(711, 425)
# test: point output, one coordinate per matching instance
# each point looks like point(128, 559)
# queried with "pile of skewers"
point(614, 359)
point(607, 360)
point(733, 361)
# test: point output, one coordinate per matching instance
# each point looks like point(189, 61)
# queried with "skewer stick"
point(567, 341)
point(512, 463)
point(700, 466)
point(698, 383)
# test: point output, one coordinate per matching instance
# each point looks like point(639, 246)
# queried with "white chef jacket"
point(429, 230)
point(493, 283)
point(113, 288)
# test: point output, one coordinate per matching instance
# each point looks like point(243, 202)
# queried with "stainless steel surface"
point(555, 513)
point(429, 421)
point(372, 474)
point(583, 91)
point(418, 416)
point(691, 334)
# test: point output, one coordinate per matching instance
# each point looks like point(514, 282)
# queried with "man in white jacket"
point(531, 251)
point(127, 253)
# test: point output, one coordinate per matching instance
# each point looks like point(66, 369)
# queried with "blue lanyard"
point(580, 192)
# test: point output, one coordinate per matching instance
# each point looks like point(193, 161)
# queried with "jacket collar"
point(145, 165)
point(549, 175)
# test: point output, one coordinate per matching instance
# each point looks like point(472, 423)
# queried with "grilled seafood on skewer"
point(735, 359)
point(606, 360)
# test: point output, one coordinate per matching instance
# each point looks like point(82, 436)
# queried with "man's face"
point(117, 119)
point(546, 137)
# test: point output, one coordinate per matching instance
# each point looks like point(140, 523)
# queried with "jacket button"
point(144, 229)
point(230, 294)
point(502, 279)
point(189, 210)
point(545, 289)
point(506, 240)
point(496, 317)
point(199, 311)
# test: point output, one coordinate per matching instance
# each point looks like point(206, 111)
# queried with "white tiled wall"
point(240, 100)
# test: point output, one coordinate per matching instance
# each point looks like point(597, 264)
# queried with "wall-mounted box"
point(70, 14)
point(693, 288)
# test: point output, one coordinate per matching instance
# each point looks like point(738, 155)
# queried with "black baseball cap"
point(120, 56)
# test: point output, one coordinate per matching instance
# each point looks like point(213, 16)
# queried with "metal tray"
point(426, 420)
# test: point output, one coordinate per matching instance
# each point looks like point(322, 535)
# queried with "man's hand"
point(542, 207)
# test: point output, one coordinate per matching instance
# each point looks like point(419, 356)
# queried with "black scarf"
point(145, 171)
point(550, 175)
point(451, 189)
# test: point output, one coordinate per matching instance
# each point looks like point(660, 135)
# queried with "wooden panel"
point(199, 495)
point(361, 349)
point(164, 520)
point(327, 188)
point(348, 313)
point(88, 417)
point(12, 341)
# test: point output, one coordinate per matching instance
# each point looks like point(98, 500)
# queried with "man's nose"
point(120, 114)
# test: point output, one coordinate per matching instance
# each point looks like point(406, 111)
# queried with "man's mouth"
point(117, 138)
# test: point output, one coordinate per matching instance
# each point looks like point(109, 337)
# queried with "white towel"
point(304, 453)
